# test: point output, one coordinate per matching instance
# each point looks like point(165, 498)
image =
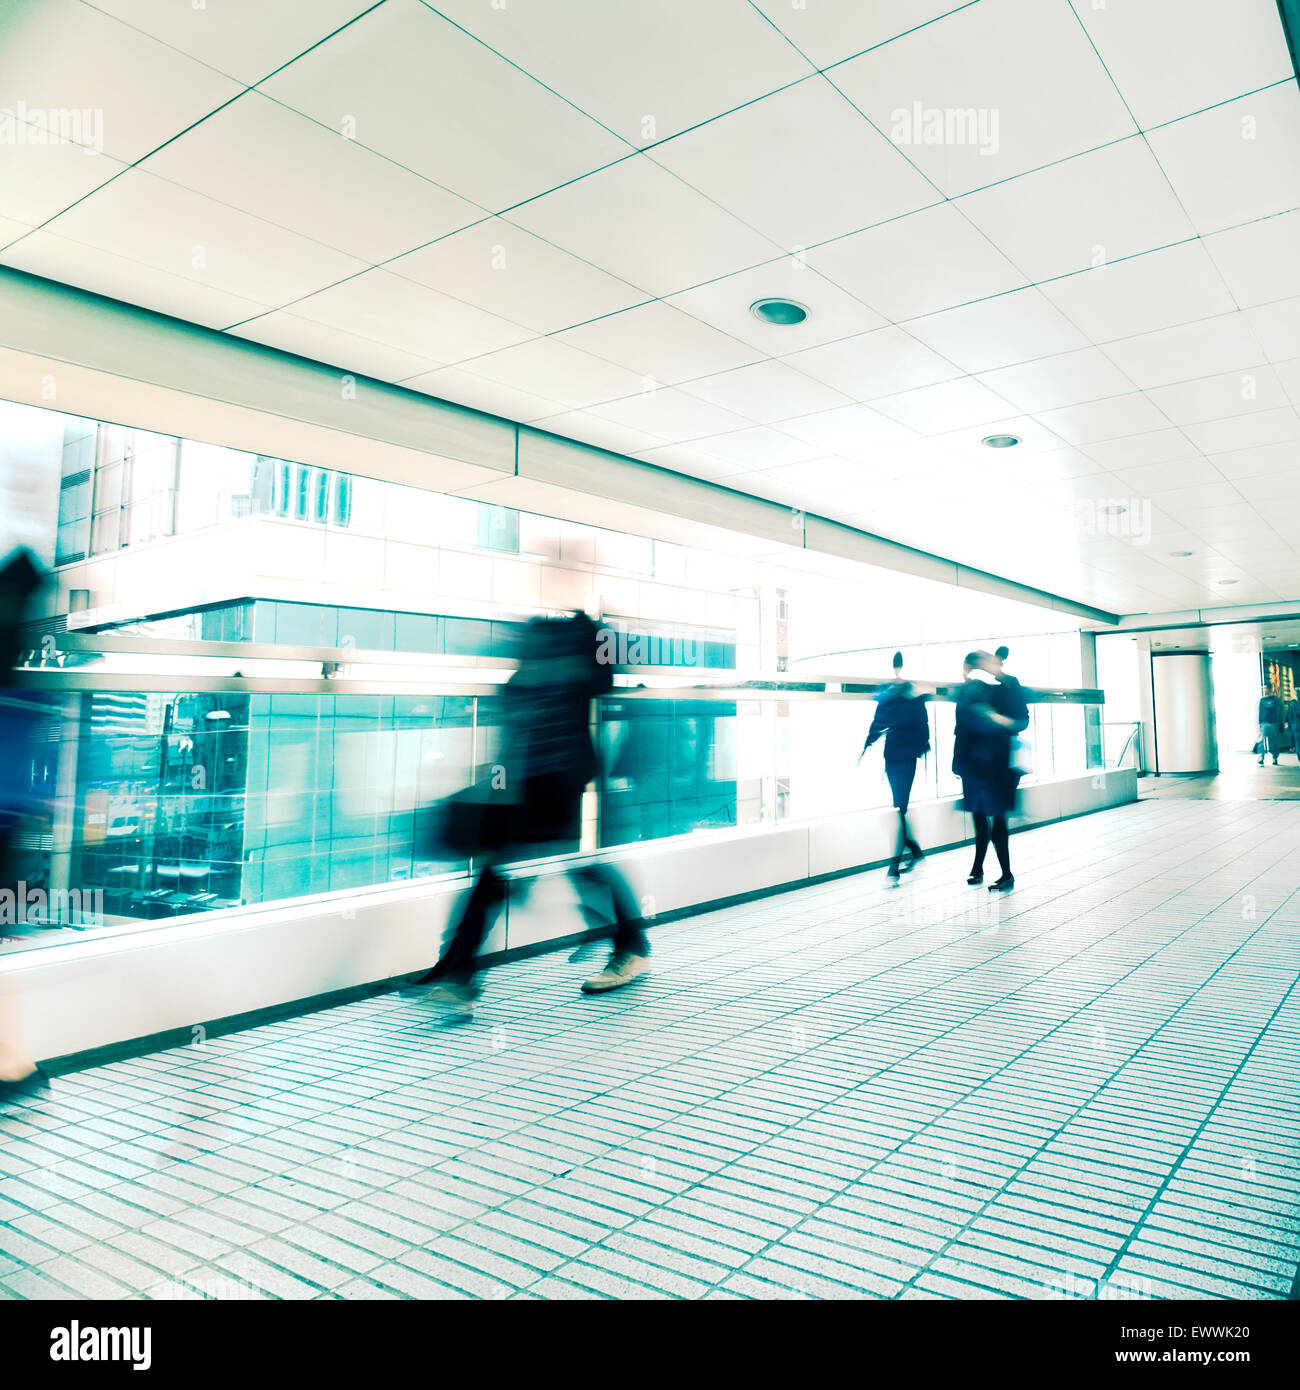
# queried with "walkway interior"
point(1090, 1088)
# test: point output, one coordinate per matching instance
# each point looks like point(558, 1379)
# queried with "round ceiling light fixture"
point(1001, 441)
point(783, 312)
point(1182, 554)
point(1227, 581)
point(1113, 511)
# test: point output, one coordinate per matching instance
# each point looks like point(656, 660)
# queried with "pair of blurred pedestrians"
point(991, 714)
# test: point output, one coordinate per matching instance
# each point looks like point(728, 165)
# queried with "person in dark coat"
point(989, 716)
point(547, 761)
point(1293, 725)
point(21, 579)
point(1270, 726)
point(902, 720)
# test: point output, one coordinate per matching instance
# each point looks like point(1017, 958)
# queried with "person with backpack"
point(902, 720)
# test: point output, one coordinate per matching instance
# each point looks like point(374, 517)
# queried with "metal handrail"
point(631, 681)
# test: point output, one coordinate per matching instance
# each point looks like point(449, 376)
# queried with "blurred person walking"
point(1270, 726)
point(547, 761)
point(990, 714)
point(1293, 725)
point(21, 578)
point(902, 720)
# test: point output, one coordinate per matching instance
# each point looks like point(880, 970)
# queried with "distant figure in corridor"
point(901, 719)
point(989, 715)
point(1270, 726)
point(547, 760)
point(1293, 726)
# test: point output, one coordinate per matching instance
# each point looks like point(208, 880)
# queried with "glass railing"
point(171, 778)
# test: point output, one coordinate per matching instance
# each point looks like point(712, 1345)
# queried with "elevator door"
point(1184, 708)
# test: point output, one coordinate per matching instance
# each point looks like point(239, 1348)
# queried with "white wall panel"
point(132, 983)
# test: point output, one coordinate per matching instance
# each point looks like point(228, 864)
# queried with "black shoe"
point(892, 875)
point(1004, 885)
point(976, 876)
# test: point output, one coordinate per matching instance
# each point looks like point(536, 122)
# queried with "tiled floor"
point(1089, 1088)
point(1240, 778)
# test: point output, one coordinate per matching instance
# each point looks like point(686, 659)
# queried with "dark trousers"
point(901, 775)
point(547, 822)
point(992, 828)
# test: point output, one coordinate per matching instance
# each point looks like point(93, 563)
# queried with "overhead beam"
point(69, 350)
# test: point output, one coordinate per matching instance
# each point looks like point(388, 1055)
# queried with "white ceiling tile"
point(10, 231)
point(388, 309)
point(1237, 162)
point(508, 271)
point(1160, 446)
point(1100, 206)
point(1288, 373)
point(247, 39)
point(1069, 378)
point(602, 218)
point(725, 304)
point(987, 60)
point(551, 369)
point(1261, 261)
point(102, 272)
point(409, 84)
point(919, 264)
point(800, 166)
point(659, 342)
point(1163, 477)
point(817, 476)
point(752, 449)
point(1114, 418)
point(1277, 328)
point(670, 415)
point(1157, 290)
point(875, 364)
point(1220, 397)
point(766, 392)
point(465, 388)
point(952, 405)
point(1047, 463)
point(1263, 458)
point(264, 158)
point(1245, 431)
point(117, 89)
point(854, 432)
point(38, 181)
point(997, 332)
point(831, 30)
point(648, 71)
point(335, 346)
point(1170, 57)
point(1205, 348)
point(156, 223)
point(1270, 488)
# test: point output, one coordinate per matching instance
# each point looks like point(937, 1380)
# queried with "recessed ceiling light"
point(1227, 581)
point(779, 311)
point(1182, 554)
point(1113, 511)
point(1001, 441)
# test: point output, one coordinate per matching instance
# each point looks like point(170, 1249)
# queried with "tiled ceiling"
point(561, 211)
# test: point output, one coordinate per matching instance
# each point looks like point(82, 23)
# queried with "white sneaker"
point(459, 999)
point(623, 968)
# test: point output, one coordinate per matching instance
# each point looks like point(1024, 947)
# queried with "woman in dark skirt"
point(989, 716)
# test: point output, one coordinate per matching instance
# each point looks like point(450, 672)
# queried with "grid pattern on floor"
point(1086, 1089)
